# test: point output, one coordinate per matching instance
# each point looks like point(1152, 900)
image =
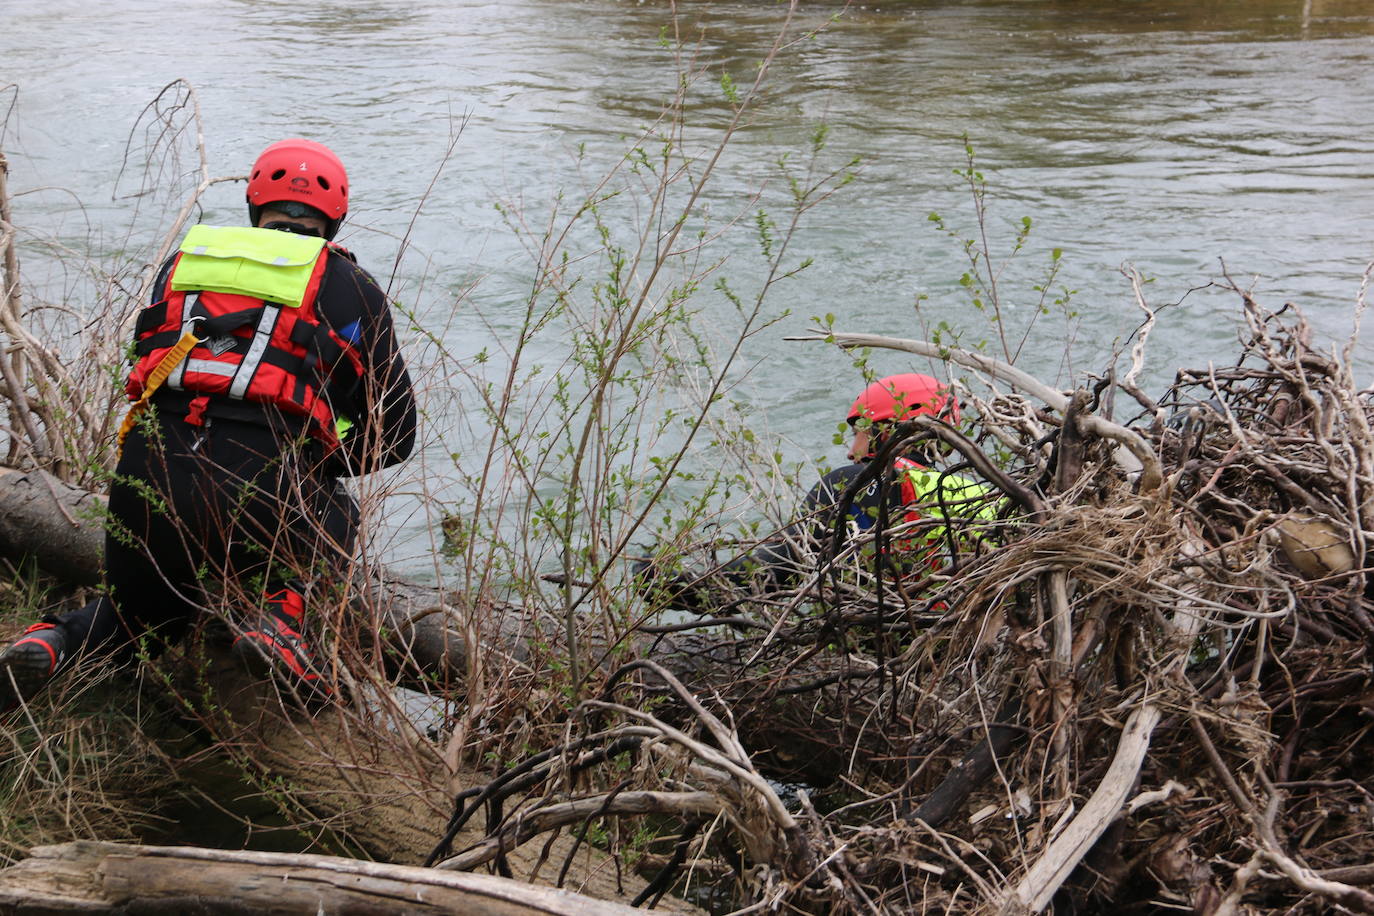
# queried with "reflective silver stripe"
point(187, 306)
point(210, 367)
point(253, 358)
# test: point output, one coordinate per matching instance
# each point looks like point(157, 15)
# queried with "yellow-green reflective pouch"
point(961, 496)
point(262, 263)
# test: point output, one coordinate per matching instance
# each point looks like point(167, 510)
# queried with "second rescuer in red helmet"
point(907, 491)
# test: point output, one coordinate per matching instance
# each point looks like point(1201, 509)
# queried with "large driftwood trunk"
point(107, 877)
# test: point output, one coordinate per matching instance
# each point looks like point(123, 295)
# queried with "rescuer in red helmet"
point(921, 492)
point(265, 369)
point(909, 491)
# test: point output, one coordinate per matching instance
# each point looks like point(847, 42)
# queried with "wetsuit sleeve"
point(822, 502)
point(155, 295)
point(381, 403)
point(780, 558)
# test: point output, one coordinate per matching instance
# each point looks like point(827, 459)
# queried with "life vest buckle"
point(195, 414)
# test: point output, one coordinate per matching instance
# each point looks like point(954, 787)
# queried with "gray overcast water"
point(1172, 135)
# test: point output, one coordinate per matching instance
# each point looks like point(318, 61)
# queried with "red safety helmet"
point(901, 397)
point(304, 172)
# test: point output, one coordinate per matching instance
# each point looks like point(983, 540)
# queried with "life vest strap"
point(155, 380)
point(172, 403)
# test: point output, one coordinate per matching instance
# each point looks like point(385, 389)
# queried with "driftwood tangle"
point(1145, 683)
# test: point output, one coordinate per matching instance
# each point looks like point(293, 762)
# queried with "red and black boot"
point(277, 647)
point(29, 663)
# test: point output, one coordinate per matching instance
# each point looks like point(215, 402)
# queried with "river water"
point(1171, 135)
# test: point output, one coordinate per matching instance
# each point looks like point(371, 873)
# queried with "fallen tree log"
point(58, 526)
point(87, 877)
point(52, 523)
point(354, 778)
point(352, 769)
point(428, 627)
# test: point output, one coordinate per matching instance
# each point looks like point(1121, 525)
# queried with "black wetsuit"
point(779, 558)
point(246, 499)
point(881, 497)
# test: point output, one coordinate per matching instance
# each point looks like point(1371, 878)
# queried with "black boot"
point(30, 663)
point(276, 647)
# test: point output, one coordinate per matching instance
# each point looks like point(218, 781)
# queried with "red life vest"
point(250, 350)
point(968, 501)
point(910, 498)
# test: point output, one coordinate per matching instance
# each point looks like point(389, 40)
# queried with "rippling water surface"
point(1171, 135)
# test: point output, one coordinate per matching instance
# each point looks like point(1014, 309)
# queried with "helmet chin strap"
point(284, 225)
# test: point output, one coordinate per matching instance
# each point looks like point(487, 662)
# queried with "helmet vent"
point(279, 174)
point(324, 183)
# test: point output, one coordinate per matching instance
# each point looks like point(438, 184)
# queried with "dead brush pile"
point(1144, 686)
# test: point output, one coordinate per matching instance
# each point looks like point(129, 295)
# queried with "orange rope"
point(155, 380)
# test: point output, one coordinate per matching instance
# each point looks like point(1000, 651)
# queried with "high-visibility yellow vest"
point(260, 263)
